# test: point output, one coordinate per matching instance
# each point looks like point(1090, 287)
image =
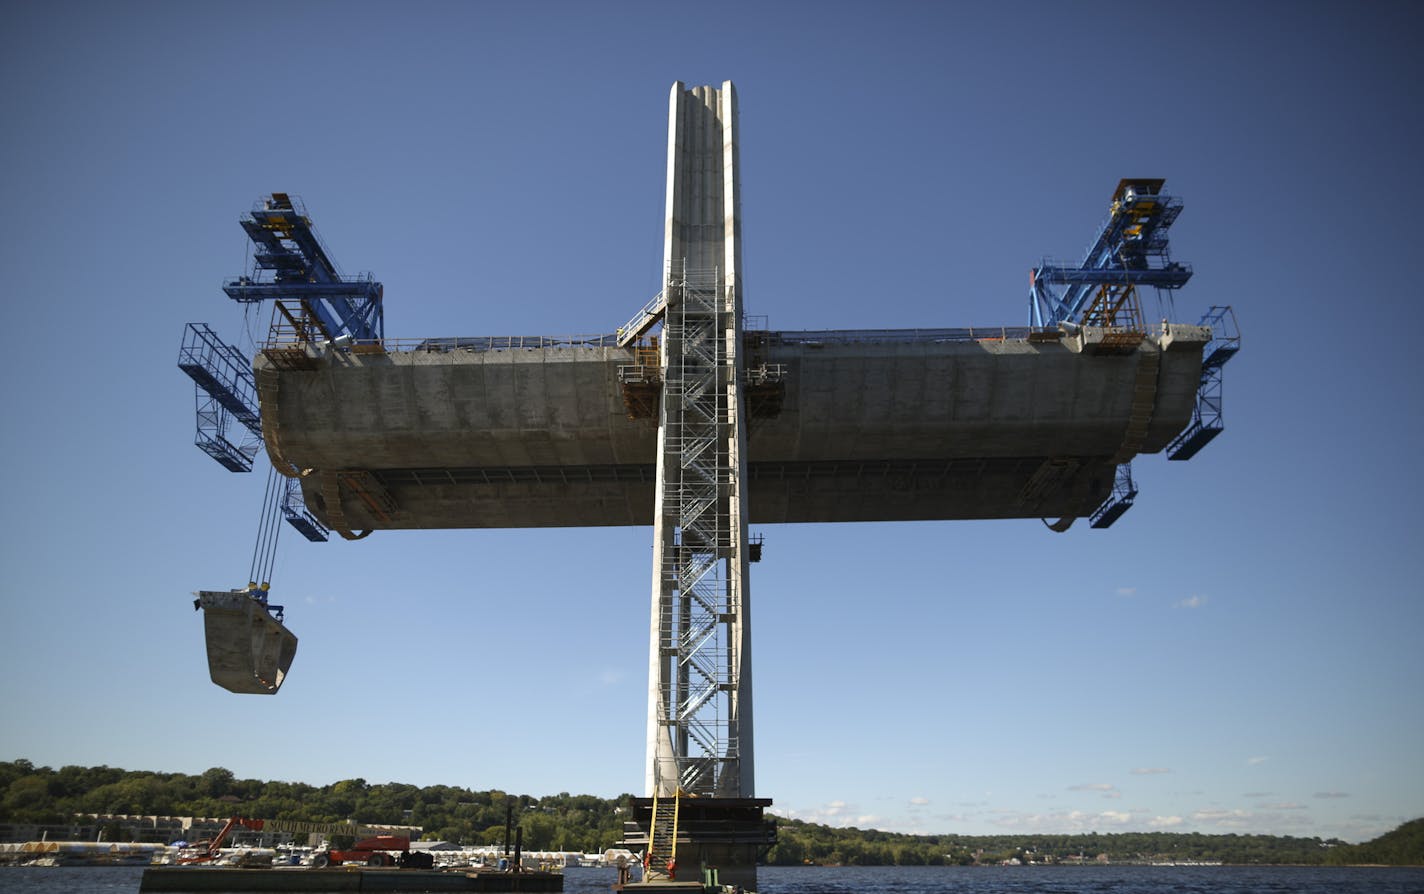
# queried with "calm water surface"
point(904, 880)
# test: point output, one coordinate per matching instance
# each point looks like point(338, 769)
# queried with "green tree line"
point(563, 822)
point(799, 842)
point(585, 823)
point(1402, 847)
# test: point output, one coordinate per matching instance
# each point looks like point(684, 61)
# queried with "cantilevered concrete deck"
point(893, 425)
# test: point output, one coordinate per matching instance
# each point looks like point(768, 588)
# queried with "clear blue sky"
point(1241, 652)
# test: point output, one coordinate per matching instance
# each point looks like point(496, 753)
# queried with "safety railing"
point(863, 336)
point(262, 286)
point(643, 320)
point(809, 337)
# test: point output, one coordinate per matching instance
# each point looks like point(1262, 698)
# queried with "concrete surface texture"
point(888, 426)
point(249, 651)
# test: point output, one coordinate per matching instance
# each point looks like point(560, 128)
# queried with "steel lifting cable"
point(269, 528)
point(247, 327)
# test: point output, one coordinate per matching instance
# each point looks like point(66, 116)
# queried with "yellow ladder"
point(662, 836)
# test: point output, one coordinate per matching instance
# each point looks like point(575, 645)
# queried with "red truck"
point(376, 851)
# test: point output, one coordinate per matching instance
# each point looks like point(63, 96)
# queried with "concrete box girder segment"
point(890, 426)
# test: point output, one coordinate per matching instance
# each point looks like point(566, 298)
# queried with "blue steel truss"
point(1130, 251)
point(213, 438)
point(294, 510)
point(1123, 494)
point(227, 398)
point(292, 266)
point(1206, 417)
point(223, 372)
point(226, 393)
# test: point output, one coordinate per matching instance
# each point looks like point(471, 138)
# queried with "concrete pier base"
point(725, 834)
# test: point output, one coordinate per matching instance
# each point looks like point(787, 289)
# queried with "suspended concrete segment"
point(881, 426)
point(249, 651)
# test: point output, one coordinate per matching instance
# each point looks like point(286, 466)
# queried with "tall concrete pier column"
point(699, 686)
point(699, 733)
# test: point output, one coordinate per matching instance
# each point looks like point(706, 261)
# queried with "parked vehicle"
point(379, 850)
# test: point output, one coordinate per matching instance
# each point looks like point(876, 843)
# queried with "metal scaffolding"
point(1207, 420)
point(699, 651)
point(226, 393)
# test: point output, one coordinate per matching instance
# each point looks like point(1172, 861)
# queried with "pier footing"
point(726, 835)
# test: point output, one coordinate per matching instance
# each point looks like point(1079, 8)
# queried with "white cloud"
point(1093, 787)
point(1281, 805)
point(1149, 771)
point(833, 813)
point(611, 677)
point(1332, 794)
point(1194, 601)
point(1224, 819)
point(919, 802)
point(1127, 591)
point(1164, 822)
point(1063, 821)
point(1253, 761)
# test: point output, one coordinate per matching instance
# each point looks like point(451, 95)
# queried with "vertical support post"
point(739, 588)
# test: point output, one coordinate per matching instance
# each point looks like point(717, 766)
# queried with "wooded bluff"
point(585, 823)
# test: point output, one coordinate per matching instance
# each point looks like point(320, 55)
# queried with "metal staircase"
point(695, 628)
point(661, 857)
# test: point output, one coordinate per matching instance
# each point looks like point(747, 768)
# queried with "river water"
point(902, 880)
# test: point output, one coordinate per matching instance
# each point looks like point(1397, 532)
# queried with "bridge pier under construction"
point(689, 419)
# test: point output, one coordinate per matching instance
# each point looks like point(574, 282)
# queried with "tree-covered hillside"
point(585, 823)
point(564, 822)
point(1402, 847)
point(805, 842)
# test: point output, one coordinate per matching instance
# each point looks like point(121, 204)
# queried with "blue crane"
point(293, 268)
point(314, 306)
point(1131, 250)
